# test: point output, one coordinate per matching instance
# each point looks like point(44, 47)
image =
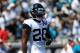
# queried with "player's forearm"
point(24, 42)
point(24, 48)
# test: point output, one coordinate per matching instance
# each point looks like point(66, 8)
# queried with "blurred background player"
point(76, 48)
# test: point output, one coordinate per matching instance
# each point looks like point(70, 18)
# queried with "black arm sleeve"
point(48, 33)
point(48, 37)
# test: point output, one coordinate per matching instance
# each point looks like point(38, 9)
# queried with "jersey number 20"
point(40, 35)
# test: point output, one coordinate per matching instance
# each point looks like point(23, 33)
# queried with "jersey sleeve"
point(27, 24)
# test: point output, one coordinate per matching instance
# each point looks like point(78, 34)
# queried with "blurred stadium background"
point(65, 30)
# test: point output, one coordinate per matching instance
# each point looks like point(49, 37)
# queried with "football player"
point(35, 30)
